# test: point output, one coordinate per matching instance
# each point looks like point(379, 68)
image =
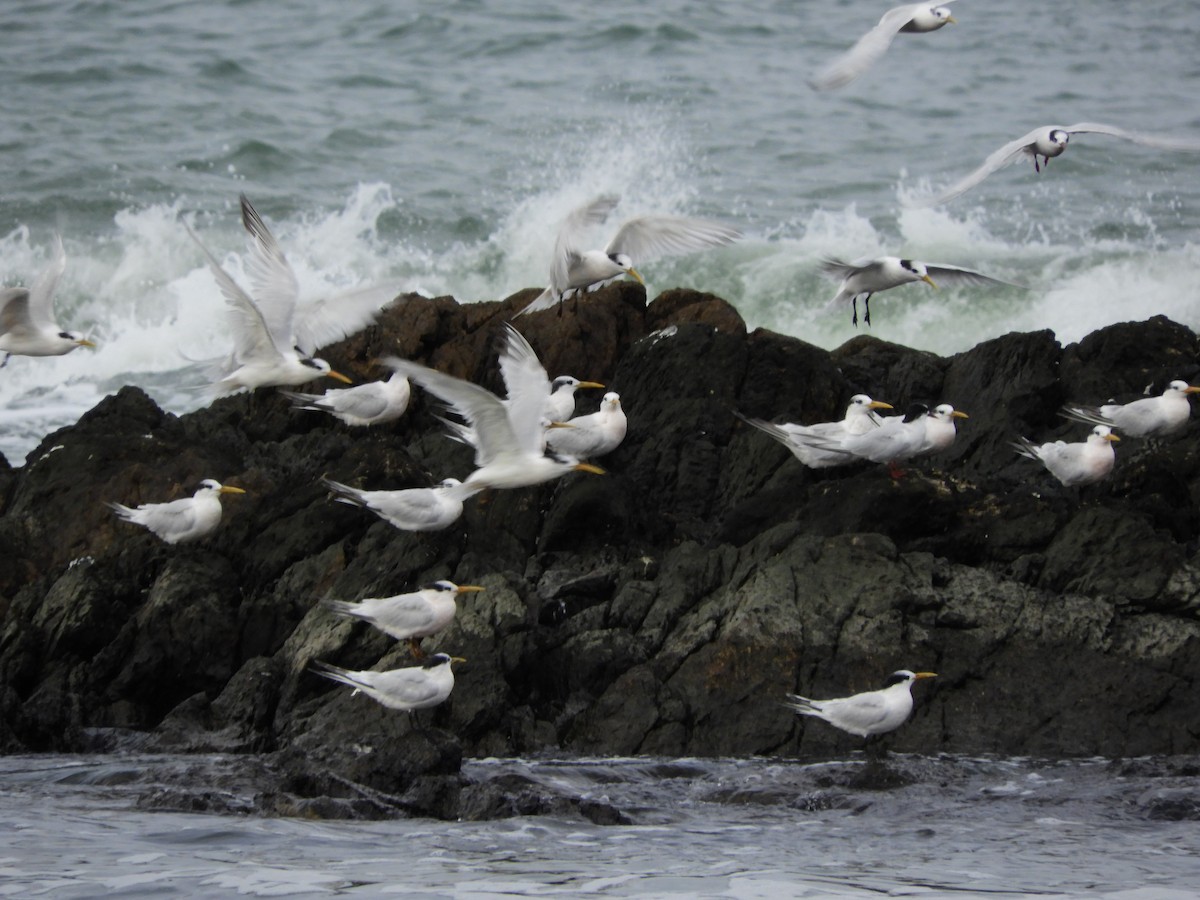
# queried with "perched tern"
point(911, 18)
point(870, 276)
point(940, 430)
point(638, 240)
point(1047, 142)
point(508, 435)
point(412, 509)
point(373, 403)
point(183, 520)
point(870, 713)
point(407, 689)
point(1074, 464)
point(593, 435)
point(1148, 417)
point(408, 617)
point(273, 339)
point(561, 405)
point(860, 417)
point(27, 326)
point(898, 438)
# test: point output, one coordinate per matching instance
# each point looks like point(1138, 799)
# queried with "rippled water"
point(435, 146)
point(725, 828)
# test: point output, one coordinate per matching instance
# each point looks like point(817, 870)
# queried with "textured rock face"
point(664, 608)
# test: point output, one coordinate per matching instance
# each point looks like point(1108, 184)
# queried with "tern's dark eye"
point(66, 335)
point(907, 264)
point(895, 678)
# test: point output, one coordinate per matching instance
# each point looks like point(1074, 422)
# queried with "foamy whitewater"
point(435, 147)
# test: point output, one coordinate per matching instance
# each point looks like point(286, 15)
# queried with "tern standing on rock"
point(408, 617)
point(868, 714)
point(184, 520)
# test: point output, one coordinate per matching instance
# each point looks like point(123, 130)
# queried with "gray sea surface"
point(950, 826)
point(435, 146)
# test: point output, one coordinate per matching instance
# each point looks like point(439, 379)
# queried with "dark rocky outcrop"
point(664, 608)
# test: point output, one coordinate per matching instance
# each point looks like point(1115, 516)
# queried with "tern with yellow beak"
point(407, 689)
point(183, 520)
point(870, 276)
point(508, 435)
point(275, 337)
point(870, 713)
point(912, 18)
point(1085, 462)
point(408, 617)
point(1147, 417)
point(860, 418)
point(576, 270)
point(27, 326)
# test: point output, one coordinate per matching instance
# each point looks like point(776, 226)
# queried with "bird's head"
point(441, 659)
point(943, 13)
point(611, 400)
point(918, 269)
point(449, 483)
point(867, 403)
point(451, 587)
point(946, 411)
point(320, 367)
point(75, 339)
point(907, 677)
point(212, 486)
point(1102, 434)
point(1181, 387)
point(1059, 136)
point(623, 261)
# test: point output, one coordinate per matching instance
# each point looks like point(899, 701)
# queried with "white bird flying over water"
point(860, 416)
point(870, 713)
point(412, 509)
point(183, 520)
point(27, 326)
point(638, 240)
point(273, 339)
point(593, 435)
point(373, 403)
point(508, 434)
point(870, 276)
point(1075, 464)
point(1148, 417)
point(408, 617)
point(1047, 142)
point(870, 48)
point(407, 689)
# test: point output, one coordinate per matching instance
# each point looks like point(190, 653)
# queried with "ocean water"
point(755, 828)
point(434, 147)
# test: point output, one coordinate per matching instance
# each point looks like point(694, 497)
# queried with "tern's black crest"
point(312, 364)
point(915, 411)
point(897, 678)
point(908, 264)
point(438, 659)
point(438, 586)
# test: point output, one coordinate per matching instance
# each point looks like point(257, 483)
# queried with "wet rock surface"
point(664, 608)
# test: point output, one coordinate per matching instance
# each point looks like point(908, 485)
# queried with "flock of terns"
point(531, 435)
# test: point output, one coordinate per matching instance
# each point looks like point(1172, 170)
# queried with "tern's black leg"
point(1036, 167)
point(867, 307)
point(854, 306)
